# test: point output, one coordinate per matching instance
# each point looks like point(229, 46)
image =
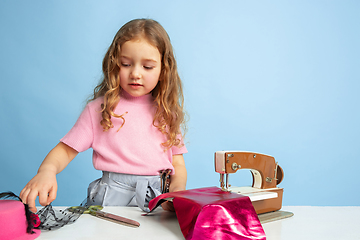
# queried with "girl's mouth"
point(135, 85)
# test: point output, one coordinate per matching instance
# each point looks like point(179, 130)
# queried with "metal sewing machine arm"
point(264, 194)
point(265, 171)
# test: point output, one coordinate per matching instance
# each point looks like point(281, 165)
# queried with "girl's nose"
point(135, 73)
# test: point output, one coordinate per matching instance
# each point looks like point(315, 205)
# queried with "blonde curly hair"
point(168, 94)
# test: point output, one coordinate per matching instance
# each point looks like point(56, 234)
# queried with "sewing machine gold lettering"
point(266, 173)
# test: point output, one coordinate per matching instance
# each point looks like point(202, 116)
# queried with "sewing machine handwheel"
point(279, 175)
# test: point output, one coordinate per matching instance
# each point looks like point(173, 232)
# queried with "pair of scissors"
point(95, 210)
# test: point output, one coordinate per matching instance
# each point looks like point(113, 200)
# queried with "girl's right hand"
point(43, 185)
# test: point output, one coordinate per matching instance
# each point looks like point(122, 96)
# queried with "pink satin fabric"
point(210, 213)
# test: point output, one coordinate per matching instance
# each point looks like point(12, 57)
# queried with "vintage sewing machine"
point(267, 174)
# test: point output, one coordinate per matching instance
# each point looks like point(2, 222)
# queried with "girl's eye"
point(148, 67)
point(125, 64)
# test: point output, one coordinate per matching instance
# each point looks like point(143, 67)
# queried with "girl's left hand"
point(168, 206)
point(177, 181)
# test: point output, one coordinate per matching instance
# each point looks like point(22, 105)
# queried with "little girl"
point(133, 124)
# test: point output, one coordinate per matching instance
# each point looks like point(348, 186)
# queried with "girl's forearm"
point(58, 158)
point(178, 180)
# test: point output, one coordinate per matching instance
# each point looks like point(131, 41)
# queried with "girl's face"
point(140, 67)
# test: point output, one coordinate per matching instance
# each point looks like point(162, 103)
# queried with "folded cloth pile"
point(210, 213)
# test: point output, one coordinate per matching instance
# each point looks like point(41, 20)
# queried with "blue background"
point(275, 77)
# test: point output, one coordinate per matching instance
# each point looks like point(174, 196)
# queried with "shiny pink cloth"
point(210, 213)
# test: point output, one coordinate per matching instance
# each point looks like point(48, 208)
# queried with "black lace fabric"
point(53, 218)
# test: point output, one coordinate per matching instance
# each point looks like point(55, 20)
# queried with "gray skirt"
point(117, 189)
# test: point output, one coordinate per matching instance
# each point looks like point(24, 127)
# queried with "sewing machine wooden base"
point(263, 200)
point(267, 202)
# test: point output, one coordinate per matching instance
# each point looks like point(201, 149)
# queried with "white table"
point(307, 223)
